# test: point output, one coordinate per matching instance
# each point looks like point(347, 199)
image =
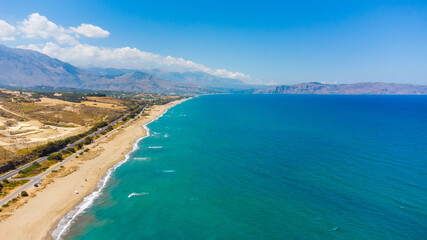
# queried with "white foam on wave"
point(166, 135)
point(169, 171)
point(138, 194)
point(141, 158)
point(66, 222)
point(155, 147)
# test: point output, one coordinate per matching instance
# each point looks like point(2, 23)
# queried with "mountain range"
point(369, 88)
point(27, 68)
point(194, 78)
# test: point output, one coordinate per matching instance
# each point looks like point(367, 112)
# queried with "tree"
point(87, 140)
point(79, 145)
point(36, 165)
point(24, 194)
point(71, 150)
point(11, 164)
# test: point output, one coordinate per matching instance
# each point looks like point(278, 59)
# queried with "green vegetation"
point(62, 114)
point(31, 168)
point(71, 150)
point(79, 146)
point(24, 194)
point(6, 188)
point(88, 140)
point(55, 156)
point(58, 124)
point(35, 169)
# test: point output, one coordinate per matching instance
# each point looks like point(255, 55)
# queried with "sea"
point(268, 167)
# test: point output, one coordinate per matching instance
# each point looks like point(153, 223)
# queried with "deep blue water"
point(272, 167)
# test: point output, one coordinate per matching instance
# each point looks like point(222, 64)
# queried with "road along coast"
point(40, 215)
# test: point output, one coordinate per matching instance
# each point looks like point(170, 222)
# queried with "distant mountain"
point(27, 68)
point(194, 78)
point(19, 67)
point(143, 82)
point(350, 89)
point(203, 79)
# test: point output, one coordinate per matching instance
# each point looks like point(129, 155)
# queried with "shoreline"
point(57, 202)
point(66, 221)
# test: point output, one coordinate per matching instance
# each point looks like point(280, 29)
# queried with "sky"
point(268, 42)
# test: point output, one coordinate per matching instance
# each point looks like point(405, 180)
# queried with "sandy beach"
point(41, 214)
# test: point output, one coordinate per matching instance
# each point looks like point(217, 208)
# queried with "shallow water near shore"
point(272, 167)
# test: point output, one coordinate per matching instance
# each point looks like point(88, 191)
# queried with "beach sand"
point(42, 213)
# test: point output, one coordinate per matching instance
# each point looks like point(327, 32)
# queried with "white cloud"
point(7, 32)
point(90, 30)
point(227, 74)
point(37, 26)
point(125, 57)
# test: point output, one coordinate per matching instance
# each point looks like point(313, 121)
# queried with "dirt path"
point(16, 114)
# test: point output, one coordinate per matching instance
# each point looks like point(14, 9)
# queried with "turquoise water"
point(272, 167)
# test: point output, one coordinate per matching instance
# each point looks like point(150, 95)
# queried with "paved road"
point(39, 178)
point(42, 159)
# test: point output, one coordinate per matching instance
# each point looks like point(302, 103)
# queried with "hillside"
point(347, 89)
point(142, 82)
point(27, 68)
point(19, 67)
point(193, 78)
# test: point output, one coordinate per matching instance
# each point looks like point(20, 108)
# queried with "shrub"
point(55, 156)
point(11, 164)
point(79, 146)
point(36, 165)
point(86, 150)
point(71, 150)
point(87, 140)
point(33, 166)
point(5, 181)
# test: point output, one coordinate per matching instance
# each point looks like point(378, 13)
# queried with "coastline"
point(40, 216)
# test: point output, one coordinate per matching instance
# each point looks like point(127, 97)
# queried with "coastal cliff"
point(375, 88)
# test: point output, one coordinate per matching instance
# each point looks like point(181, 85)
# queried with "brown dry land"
point(26, 121)
point(38, 216)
